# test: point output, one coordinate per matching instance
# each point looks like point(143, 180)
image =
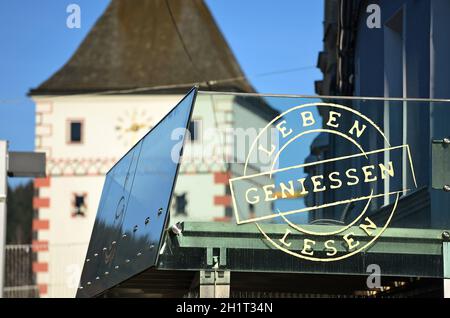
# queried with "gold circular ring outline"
point(358, 114)
point(304, 106)
point(316, 259)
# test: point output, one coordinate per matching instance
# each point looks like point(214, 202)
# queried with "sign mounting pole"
point(3, 192)
point(446, 261)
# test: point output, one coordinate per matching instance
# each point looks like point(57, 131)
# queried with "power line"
point(284, 71)
point(190, 84)
point(180, 37)
point(172, 86)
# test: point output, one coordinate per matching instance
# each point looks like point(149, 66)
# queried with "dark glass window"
point(79, 205)
point(76, 131)
point(194, 130)
point(229, 211)
point(180, 204)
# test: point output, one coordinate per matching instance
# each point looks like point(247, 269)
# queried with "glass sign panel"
point(329, 180)
point(133, 209)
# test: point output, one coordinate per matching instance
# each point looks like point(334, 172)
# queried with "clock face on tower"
point(132, 125)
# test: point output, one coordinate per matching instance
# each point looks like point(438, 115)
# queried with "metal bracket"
point(214, 284)
point(446, 264)
point(440, 167)
point(446, 258)
point(214, 277)
point(216, 257)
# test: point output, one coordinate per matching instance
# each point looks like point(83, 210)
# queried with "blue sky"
point(265, 36)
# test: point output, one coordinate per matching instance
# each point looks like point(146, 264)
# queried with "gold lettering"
point(307, 247)
point(368, 173)
point(308, 119)
point(269, 153)
point(269, 192)
point(331, 249)
point(290, 189)
point(385, 171)
point(302, 184)
point(338, 181)
point(351, 243)
point(317, 183)
point(284, 131)
point(255, 198)
point(359, 130)
point(347, 173)
point(283, 239)
point(367, 227)
point(332, 119)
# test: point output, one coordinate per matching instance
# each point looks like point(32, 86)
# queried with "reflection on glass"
point(338, 173)
point(335, 176)
point(133, 209)
point(321, 161)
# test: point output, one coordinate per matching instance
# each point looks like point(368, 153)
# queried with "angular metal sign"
point(134, 207)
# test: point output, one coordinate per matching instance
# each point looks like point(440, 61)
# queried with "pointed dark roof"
point(149, 43)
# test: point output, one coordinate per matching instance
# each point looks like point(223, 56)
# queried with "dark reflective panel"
point(133, 209)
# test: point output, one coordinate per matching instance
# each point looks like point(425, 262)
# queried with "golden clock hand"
point(136, 127)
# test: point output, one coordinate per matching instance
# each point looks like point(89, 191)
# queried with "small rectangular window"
point(79, 205)
point(180, 204)
point(195, 129)
point(75, 131)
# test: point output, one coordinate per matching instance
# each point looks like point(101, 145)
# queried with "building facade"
point(391, 49)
